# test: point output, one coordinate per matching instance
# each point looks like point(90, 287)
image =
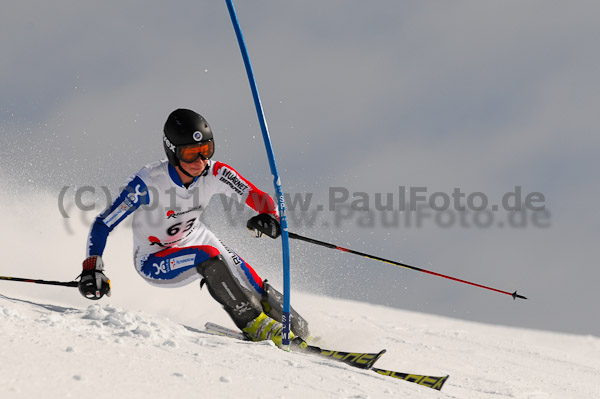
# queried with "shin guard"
point(238, 302)
point(272, 304)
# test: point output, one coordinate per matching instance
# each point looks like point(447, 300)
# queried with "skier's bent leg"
point(272, 304)
point(241, 304)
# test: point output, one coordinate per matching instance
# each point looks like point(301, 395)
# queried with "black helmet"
point(187, 136)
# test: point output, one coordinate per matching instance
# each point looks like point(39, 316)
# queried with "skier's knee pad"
point(272, 304)
point(239, 302)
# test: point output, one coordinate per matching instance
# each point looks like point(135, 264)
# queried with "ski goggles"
point(189, 153)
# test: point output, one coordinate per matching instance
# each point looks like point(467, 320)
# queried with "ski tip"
point(378, 355)
point(376, 358)
point(515, 296)
point(442, 382)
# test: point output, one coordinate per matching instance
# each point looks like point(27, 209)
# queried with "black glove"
point(264, 223)
point(93, 284)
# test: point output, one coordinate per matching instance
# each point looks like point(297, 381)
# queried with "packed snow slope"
point(51, 350)
point(57, 344)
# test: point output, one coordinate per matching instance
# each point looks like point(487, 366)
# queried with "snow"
point(104, 351)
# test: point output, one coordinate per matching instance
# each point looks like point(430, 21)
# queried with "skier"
point(173, 248)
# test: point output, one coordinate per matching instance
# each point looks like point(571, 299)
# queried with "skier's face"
point(195, 168)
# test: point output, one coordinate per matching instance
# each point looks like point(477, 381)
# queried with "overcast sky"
point(369, 97)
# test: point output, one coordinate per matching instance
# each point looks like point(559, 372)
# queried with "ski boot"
point(263, 328)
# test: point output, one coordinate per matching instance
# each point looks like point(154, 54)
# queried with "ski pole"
point(333, 246)
point(30, 280)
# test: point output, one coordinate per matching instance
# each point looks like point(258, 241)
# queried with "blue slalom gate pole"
point(285, 242)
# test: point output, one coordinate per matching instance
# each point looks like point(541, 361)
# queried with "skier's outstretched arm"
point(94, 284)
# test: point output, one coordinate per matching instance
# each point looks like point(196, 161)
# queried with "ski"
point(424, 380)
point(355, 359)
point(360, 360)
point(217, 329)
